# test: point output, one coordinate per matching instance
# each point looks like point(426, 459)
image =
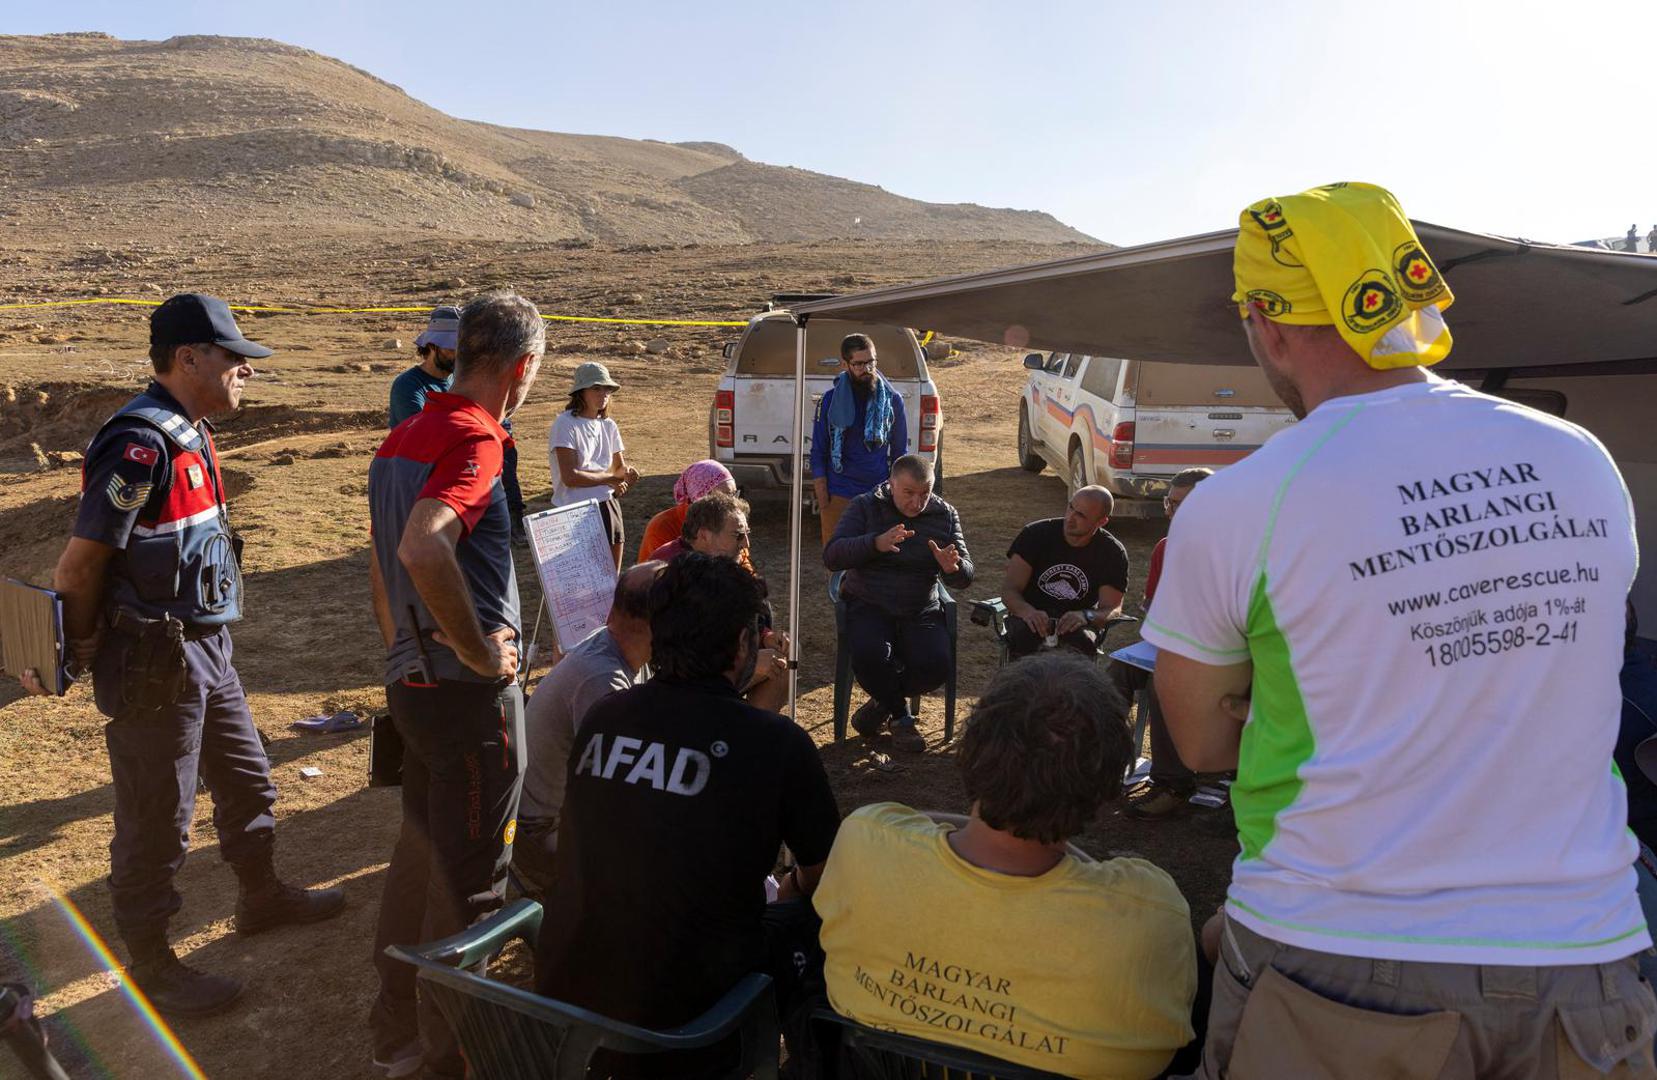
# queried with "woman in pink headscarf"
point(696, 481)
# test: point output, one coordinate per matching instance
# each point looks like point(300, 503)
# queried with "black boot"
point(263, 902)
point(174, 988)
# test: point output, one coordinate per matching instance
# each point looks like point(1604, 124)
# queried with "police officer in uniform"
point(150, 582)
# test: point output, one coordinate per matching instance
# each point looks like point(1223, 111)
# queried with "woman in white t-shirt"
point(586, 451)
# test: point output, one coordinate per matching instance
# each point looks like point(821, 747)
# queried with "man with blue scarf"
point(859, 431)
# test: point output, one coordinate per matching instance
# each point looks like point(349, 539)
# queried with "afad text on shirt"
point(634, 761)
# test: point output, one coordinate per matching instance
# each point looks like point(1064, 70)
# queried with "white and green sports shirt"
point(1430, 583)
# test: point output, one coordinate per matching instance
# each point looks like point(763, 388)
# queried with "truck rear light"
point(930, 416)
point(724, 414)
point(1121, 446)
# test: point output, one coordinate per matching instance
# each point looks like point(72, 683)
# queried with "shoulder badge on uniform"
point(140, 453)
point(127, 495)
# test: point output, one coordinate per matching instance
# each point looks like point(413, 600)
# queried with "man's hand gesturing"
point(893, 537)
point(949, 560)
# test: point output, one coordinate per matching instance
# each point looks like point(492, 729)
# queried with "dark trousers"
point(154, 758)
point(509, 481)
point(462, 769)
point(1167, 770)
point(895, 658)
point(1022, 641)
point(794, 960)
point(534, 849)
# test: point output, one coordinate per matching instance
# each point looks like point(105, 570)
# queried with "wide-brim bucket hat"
point(590, 374)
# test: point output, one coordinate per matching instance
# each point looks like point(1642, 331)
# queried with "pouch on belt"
point(154, 671)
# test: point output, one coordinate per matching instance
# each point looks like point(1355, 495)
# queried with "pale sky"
point(1131, 121)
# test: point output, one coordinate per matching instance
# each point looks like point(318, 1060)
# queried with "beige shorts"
point(828, 515)
point(1280, 1011)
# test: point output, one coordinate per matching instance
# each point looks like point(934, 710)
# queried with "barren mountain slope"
point(122, 137)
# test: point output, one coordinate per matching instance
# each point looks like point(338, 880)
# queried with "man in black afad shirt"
point(679, 797)
point(1065, 577)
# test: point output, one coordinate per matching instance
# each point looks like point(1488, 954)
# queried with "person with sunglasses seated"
point(698, 479)
point(715, 524)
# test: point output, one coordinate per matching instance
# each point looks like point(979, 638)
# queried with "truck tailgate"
point(1170, 438)
point(761, 425)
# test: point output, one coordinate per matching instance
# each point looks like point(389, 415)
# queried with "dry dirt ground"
point(295, 457)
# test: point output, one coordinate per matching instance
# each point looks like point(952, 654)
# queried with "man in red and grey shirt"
point(446, 598)
point(1172, 782)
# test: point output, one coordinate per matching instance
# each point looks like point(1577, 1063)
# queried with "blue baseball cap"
point(442, 329)
point(194, 318)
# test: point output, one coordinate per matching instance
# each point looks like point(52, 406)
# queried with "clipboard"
point(576, 568)
point(31, 634)
point(1141, 654)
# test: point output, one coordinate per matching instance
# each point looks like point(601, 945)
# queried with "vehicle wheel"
point(1028, 459)
point(938, 469)
point(1078, 470)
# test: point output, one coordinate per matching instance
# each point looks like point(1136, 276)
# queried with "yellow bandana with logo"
point(1345, 255)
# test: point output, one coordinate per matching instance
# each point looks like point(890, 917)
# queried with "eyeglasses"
point(861, 365)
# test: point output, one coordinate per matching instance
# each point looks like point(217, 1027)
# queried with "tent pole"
point(795, 511)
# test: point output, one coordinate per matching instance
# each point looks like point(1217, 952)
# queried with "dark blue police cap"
point(194, 318)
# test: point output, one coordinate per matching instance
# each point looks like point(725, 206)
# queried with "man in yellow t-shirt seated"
point(992, 933)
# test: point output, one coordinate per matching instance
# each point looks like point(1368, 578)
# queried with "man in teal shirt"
point(436, 347)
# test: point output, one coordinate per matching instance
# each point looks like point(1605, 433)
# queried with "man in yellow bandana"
point(1350, 261)
point(1400, 621)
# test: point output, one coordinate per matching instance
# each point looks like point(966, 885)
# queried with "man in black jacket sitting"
point(894, 544)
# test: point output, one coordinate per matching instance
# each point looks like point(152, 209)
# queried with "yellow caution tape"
point(74, 303)
point(367, 311)
point(642, 322)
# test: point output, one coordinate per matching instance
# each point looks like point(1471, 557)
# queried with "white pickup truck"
point(749, 425)
point(1130, 425)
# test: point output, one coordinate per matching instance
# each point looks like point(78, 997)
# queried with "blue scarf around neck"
point(842, 413)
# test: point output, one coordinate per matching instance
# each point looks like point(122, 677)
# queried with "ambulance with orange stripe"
point(1129, 425)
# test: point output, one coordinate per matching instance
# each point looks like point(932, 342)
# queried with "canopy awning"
point(1556, 309)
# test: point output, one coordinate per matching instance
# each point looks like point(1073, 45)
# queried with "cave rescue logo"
point(1270, 303)
point(1371, 302)
point(1270, 216)
point(1417, 276)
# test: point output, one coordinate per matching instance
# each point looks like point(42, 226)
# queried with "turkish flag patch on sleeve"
point(140, 453)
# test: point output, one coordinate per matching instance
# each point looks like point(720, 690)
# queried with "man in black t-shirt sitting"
point(1065, 576)
point(679, 796)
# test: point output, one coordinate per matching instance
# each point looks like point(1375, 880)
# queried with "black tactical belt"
point(125, 622)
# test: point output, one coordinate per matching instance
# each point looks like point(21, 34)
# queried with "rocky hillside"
point(123, 138)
